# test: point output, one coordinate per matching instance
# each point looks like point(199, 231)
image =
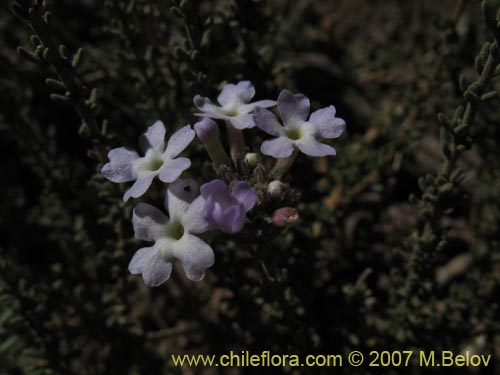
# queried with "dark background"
point(365, 269)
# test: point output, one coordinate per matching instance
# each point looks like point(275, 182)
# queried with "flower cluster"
point(223, 203)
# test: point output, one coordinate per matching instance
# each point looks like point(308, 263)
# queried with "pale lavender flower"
point(225, 210)
point(234, 105)
point(126, 165)
point(174, 236)
point(297, 131)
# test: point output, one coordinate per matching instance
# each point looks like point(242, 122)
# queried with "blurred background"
point(374, 264)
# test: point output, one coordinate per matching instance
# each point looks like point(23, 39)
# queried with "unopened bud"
point(251, 159)
point(276, 188)
point(206, 130)
point(285, 216)
point(208, 133)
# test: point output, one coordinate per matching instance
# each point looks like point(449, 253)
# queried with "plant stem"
point(236, 142)
point(283, 165)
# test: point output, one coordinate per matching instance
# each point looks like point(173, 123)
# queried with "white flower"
point(234, 105)
point(173, 236)
point(298, 132)
point(126, 165)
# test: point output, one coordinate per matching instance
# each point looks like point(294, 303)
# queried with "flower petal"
point(240, 93)
point(155, 270)
point(179, 141)
point(173, 168)
point(148, 221)
point(280, 147)
point(119, 168)
point(195, 256)
point(216, 189)
point(243, 122)
point(140, 186)
point(233, 219)
point(184, 188)
point(326, 124)
point(244, 194)
point(154, 137)
point(140, 257)
point(247, 108)
point(208, 107)
point(310, 146)
point(214, 115)
point(224, 211)
point(267, 121)
point(293, 108)
point(211, 211)
point(180, 194)
point(264, 103)
point(193, 220)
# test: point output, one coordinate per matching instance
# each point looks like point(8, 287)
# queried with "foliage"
point(397, 245)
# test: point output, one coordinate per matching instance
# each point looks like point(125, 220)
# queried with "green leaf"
point(76, 58)
point(55, 84)
point(23, 52)
point(489, 95)
point(63, 99)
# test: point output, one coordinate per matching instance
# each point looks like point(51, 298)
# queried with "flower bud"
point(251, 159)
point(285, 216)
point(206, 130)
point(208, 133)
point(276, 188)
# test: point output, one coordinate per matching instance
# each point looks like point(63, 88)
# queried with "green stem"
point(217, 153)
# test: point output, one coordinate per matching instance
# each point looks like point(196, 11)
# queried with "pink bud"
point(285, 216)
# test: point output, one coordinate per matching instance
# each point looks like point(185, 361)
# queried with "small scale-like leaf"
point(63, 51)
point(443, 119)
point(55, 84)
point(47, 18)
point(23, 52)
point(63, 99)
point(35, 41)
point(489, 95)
point(471, 96)
point(446, 188)
point(176, 12)
point(46, 54)
point(457, 175)
point(462, 82)
point(77, 58)
point(19, 12)
point(461, 127)
point(184, 5)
